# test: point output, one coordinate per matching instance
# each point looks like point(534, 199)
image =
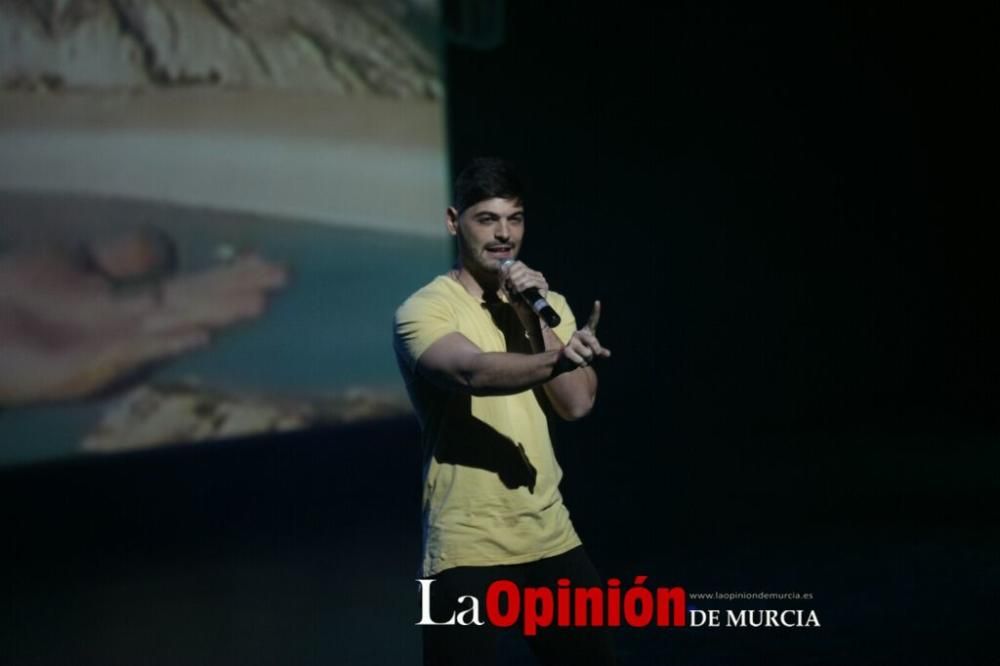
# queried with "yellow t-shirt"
point(491, 480)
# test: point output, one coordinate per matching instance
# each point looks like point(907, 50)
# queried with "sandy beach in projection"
point(360, 161)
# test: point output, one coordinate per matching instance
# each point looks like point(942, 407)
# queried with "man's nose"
point(502, 230)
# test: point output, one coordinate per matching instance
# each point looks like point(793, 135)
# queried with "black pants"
point(477, 645)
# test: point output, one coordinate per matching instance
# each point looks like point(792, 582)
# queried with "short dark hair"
point(487, 178)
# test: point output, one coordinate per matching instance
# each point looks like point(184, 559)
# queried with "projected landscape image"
point(210, 211)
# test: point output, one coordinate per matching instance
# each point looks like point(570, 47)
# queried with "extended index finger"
point(595, 316)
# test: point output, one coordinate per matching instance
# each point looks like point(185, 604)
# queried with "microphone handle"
point(535, 300)
point(541, 307)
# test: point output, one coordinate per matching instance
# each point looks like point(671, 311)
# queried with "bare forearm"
point(503, 373)
point(454, 363)
point(572, 394)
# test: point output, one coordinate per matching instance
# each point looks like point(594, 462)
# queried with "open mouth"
point(500, 250)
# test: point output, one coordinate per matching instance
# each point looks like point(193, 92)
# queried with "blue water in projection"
point(327, 331)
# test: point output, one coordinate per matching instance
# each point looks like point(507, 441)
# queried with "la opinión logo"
point(566, 606)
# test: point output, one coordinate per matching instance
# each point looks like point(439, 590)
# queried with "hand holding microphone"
point(583, 348)
point(531, 287)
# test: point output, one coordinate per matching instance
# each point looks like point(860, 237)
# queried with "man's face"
point(488, 232)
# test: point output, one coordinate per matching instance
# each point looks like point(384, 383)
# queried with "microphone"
point(535, 300)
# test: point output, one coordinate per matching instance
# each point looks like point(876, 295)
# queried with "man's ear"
point(451, 220)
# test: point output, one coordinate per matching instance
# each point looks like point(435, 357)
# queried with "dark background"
point(788, 214)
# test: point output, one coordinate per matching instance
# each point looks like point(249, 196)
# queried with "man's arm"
point(455, 363)
point(572, 394)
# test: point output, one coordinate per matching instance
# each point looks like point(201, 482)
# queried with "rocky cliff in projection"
point(356, 48)
point(155, 415)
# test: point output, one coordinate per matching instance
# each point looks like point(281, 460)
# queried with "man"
point(482, 370)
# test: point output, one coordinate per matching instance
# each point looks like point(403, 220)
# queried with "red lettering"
point(562, 602)
point(664, 597)
point(639, 604)
point(595, 596)
point(496, 617)
point(614, 603)
point(537, 609)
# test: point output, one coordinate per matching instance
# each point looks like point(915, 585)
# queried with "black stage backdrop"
point(786, 213)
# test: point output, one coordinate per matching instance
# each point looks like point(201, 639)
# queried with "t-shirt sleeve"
point(566, 327)
point(420, 322)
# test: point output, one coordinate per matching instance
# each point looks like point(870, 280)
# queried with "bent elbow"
point(466, 383)
point(471, 383)
point(577, 410)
